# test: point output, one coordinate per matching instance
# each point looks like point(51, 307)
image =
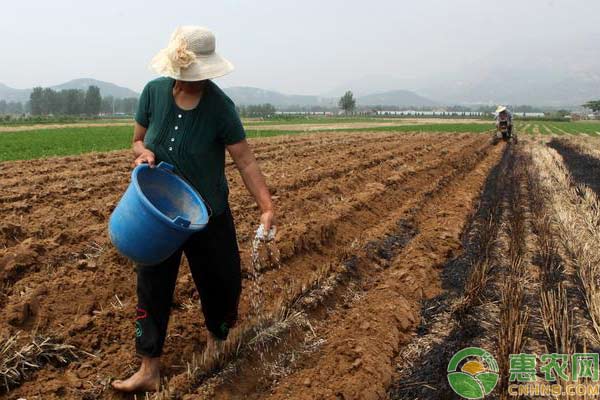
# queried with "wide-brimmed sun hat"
point(500, 109)
point(191, 56)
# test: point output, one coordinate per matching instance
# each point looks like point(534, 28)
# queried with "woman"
point(184, 119)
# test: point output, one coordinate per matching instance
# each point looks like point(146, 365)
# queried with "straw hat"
point(500, 109)
point(191, 56)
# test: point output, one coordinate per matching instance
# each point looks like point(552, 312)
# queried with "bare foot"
point(147, 379)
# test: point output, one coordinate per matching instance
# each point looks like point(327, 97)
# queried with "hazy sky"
point(306, 47)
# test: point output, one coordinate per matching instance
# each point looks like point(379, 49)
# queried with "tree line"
point(593, 105)
point(12, 107)
point(258, 110)
point(46, 101)
point(70, 102)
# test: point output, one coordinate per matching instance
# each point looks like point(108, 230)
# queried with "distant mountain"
point(521, 86)
point(574, 91)
point(106, 89)
point(512, 85)
point(402, 98)
point(521, 73)
point(243, 95)
point(10, 94)
point(372, 84)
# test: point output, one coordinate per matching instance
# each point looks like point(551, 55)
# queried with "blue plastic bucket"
point(157, 214)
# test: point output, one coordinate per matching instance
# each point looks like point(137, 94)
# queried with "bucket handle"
point(179, 220)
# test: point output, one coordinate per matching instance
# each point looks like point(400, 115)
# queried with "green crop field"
point(32, 144)
point(560, 128)
point(43, 120)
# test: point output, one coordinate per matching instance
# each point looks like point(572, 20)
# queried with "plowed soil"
point(366, 222)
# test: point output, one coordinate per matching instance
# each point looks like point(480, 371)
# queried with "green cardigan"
point(192, 140)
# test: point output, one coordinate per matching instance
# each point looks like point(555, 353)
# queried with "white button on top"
point(176, 127)
point(172, 139)
point(179, 116)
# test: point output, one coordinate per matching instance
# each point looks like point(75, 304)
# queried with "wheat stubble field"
point(397, 250)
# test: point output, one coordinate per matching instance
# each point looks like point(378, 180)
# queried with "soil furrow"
point(89, 205)
point(375, 302)
point(85, 295)
point(403, 202)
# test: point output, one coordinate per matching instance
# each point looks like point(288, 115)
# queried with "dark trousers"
point(214, 262)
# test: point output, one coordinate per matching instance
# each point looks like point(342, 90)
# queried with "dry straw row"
point(514, 315)
point(556, 319)
point(557, 322)
point(576, 210)
point(585, 145)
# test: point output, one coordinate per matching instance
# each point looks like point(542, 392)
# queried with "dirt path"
point(38, 127)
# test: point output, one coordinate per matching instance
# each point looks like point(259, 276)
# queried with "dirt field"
point(396, 251)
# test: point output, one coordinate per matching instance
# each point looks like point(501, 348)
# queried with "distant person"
point(186, 120)
point(503, 116)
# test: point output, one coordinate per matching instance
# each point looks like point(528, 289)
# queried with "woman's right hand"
point(145, 157)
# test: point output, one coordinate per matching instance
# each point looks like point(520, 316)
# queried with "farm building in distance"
point(412, 113)
point(303, 113)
